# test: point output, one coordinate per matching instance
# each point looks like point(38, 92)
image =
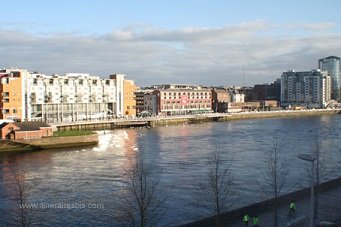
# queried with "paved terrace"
point(329, 209)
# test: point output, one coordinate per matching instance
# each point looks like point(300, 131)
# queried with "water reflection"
point(179, 153)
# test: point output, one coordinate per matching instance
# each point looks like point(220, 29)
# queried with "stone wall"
point(67, 141)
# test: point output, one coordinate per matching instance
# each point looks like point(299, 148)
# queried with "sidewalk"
point(329, 209)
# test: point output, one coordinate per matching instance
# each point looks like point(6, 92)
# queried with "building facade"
point(25, 130)
point(60, 98)
point(237, 96)
point(220, 100)
point(311, 89)
point(141, 102)
point(149, 104)
point(13, 91)
point(267, 91)
point(332, 64)
point(129, 98)
point(182, 101)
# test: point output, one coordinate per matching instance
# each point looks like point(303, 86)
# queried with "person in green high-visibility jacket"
point(246, 220)
point(255, 221)
point(292, 208)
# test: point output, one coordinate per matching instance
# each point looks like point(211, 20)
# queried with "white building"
point(310, 89)
point(74, 97)
point(236, 96)
point(332, 64)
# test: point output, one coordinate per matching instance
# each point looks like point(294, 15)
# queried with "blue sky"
point(174, 41)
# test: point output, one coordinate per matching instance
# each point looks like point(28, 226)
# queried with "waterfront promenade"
point(101, 124)
point(329, 210)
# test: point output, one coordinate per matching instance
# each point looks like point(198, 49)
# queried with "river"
point(86, 182)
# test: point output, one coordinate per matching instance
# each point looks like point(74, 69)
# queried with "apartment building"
point(311, 89)
point(332, 64)
point(60, 98)
point(180, 101)
point(129, 98)
point(13, 94)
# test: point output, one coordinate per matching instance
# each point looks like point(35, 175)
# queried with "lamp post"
point(310, 158)
point(264, 97)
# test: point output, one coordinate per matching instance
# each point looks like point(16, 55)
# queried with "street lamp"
point(310, 158)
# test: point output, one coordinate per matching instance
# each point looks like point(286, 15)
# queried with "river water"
point(86, 182)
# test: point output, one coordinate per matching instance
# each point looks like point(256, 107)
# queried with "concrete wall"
point(109, 125)
point(237, 214)
point(279, 114)
point(58, 142)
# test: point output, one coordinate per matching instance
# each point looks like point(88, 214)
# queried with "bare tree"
point(217, 192)
point(21, 198)
point(274, 175)
point(142, 203)
point(25, 212)
point(21, 191)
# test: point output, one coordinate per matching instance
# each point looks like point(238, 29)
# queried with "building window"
point(5, 111)
point(5, 94)
point(5, 80)
point(14, 111)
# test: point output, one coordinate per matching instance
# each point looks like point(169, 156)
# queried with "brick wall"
point(6, 130)
point(28, 134)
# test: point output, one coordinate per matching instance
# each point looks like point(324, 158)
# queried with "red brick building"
point(25, 130)
point(182, 101)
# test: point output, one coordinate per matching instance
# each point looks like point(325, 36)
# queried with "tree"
point(141, 203)
point(25, 212)
point(217, 192)
point(21, 195)
point(274, 175)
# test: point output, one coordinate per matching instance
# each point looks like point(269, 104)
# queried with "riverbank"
point(186, 119)
point(8, 146)
point(85, 140)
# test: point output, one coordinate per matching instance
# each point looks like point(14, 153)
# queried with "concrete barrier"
point(236, 215)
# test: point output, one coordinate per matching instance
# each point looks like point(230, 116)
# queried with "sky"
point(211, 42)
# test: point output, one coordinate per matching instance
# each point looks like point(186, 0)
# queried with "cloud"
point(311, 26)
point(243, 54)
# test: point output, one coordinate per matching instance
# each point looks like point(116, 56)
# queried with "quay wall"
point(189, 119)
point(239, 116)
point(61, 142)
point(98, 125)
point(278, 114)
